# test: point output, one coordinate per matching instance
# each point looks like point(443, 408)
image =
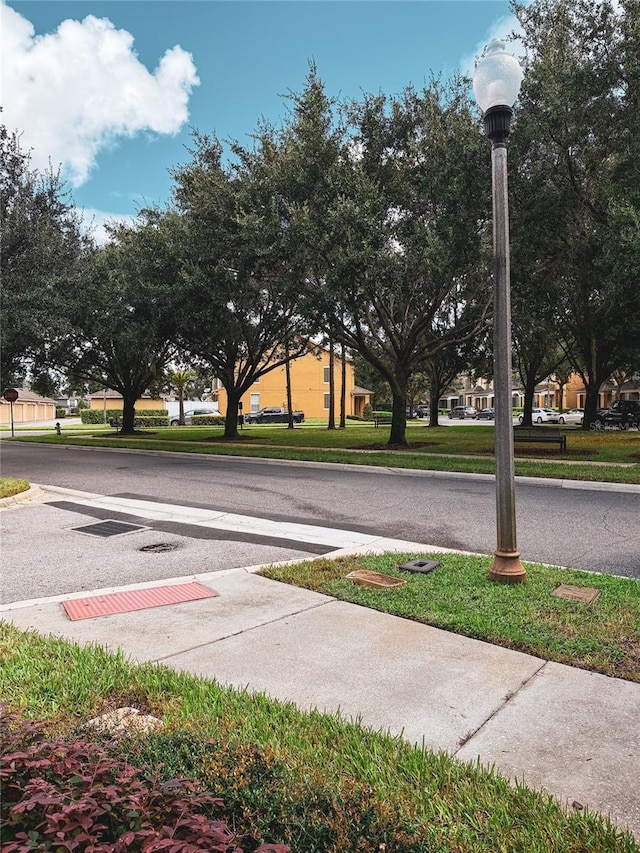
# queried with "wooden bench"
point(539, 435)
point(382, 420)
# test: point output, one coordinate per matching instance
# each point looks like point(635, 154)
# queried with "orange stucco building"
point(309, 387)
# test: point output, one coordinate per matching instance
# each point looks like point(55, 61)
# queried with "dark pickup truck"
point(622, 414)
point(273, 415)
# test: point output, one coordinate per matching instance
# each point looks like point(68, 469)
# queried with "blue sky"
point(112, 98)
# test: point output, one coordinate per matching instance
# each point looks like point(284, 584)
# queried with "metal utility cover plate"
point(422, 566)
point(109, 527)
point(583, 594)
point(364, 577)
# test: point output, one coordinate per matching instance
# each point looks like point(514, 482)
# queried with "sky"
point(109, 91)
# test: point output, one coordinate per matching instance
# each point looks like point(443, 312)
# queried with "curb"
point(31, 493)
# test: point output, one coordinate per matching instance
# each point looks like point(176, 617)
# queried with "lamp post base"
point(507, 568)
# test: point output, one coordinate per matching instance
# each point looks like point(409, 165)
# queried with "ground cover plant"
point(10, 486)
point(458, 596)
point(449, 448)
point(315, 781)
point(74, 794)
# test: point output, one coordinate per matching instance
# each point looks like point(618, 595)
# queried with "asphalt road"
point(586, 529)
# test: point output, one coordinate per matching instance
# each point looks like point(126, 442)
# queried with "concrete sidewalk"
point(571, 732)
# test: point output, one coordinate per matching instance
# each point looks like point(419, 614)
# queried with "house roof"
point(27, 396)
point(110, 394)
point(358, 392)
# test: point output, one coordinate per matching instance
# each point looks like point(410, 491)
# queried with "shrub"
point(61, 412)
point(207, 420)
point(367, 412)
point(74, 795)
point(149, 417)
point(149, 420)
point(96, 416)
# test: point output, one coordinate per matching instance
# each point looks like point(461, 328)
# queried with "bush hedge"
point(96, 416)
point(207, 420)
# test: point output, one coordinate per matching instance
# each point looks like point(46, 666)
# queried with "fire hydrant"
point(57, 427)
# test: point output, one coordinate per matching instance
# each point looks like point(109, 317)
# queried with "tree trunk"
point(287, 374)
point(181, 406)
point(398, 434)
point(590, 403)
point(343, 388)
point(128, 413)
point(332, 391)
point(231, 416)
point(529, 388)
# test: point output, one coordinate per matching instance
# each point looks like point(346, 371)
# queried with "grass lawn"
point(457, 596)
point(442, 448)
point(9, 486)
point(315, 781)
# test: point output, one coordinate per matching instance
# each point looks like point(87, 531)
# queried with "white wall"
point(174, 407)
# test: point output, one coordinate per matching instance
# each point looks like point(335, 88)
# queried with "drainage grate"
point(109, 528)
point(423, 566)
point(160, 547)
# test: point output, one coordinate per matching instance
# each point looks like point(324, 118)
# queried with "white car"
point(542, 416)
point(573, 416)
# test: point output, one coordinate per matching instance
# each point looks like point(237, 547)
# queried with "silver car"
point(188, 415)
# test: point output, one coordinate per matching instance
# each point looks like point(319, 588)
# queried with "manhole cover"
point(374, 579)
point(109, 528)
point(422, 566)
point(583, 594)
point(160, 547)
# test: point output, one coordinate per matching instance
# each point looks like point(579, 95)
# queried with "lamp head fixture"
point(496, 84)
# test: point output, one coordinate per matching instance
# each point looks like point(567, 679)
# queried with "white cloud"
point(76, 90)
point(94, 222)
point(500, 29)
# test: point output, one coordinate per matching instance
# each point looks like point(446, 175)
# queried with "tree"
point(241, 312)
point(577, 139)
point(42, 249)
point(121, 325)
point(180, 379)
point(393, 228)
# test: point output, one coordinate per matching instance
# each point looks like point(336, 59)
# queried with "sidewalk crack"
point(509, 696)
point(241, 631)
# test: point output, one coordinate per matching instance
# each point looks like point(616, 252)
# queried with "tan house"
point(108, 399)
point(309, 387)
point(29, 408)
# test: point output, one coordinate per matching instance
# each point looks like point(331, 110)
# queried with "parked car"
point(188, 415)
point(487, 414)
point(273, 415)
point(542, 416)
point(573, 416)
point(622, 414)
point(462, 412)
point(422, 411)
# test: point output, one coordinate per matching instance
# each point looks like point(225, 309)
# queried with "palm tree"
point(179, 379)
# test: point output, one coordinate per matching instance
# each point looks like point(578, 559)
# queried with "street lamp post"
point(496, 83)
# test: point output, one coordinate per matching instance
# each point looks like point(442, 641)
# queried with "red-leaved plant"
point(73, 796)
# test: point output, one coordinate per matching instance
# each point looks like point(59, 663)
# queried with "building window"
point(326, 401)
point(325, 379)
point(254, 402)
